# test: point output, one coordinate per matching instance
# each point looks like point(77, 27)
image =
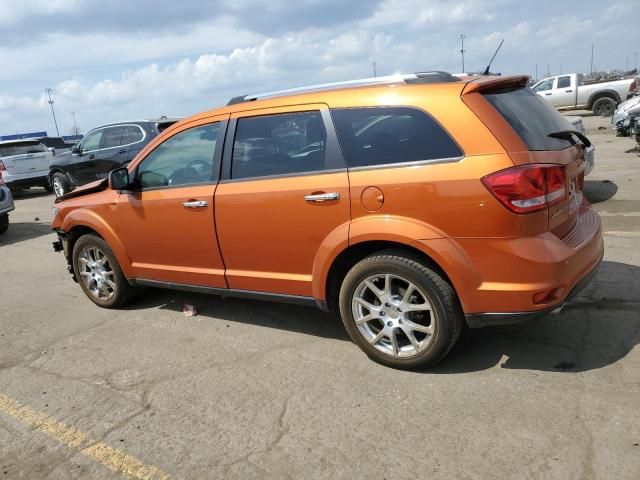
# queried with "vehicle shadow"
point(295, 318)
point(20, 232)
point(598, 191)
point(34, 192)
point(597, 328)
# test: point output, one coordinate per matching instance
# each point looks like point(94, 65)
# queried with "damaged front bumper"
point(62, 245)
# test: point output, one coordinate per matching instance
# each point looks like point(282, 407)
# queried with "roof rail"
point(412, 78)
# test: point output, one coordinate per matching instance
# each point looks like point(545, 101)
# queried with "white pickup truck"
point(570, 92)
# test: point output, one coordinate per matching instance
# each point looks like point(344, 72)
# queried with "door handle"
point(92, 156)
point(547, 94)
point(195, 204)
point(568, 91)
point(124, 150)
point(322, 197)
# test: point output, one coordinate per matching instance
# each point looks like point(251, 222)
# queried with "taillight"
point(529, 188)
point(2, 167)
point(633, 86)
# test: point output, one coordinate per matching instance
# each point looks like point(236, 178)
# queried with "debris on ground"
point(189, 310)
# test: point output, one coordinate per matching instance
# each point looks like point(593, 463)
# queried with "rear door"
point(25, 157)
point(133, 140)
point(284, 194)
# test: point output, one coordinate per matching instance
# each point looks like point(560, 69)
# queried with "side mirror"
point(119, 178)
point(75, 149)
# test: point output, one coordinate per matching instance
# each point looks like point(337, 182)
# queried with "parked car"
point(56, 145)
point(6, 206)
point(621, 119)
point(571, 92)
point(590, 152)
point(25, 164)
point(101, 150)
point(408, 205)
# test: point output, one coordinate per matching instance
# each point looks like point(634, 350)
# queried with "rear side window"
point(388, 135)
point(564, 82)
point(279, 144)
point(131, 134)
point(21, 148)
point(531, 117)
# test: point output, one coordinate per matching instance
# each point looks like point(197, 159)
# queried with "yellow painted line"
point(114, 459)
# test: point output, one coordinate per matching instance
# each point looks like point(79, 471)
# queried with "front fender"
point(87, 218)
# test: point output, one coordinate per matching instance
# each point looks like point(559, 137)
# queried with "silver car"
point(25, 163)
point(6, 205)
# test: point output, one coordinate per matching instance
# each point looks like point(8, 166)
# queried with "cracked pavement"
point(254, 390)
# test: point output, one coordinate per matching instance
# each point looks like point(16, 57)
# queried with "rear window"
point(21, 148)
point(388, 135)
point(531, 117)
point(55, 142)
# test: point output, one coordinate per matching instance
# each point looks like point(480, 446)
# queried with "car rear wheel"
point(604, 107)
point(60, 184)
point(4, 223)
point(99, 274)
point(399, 311)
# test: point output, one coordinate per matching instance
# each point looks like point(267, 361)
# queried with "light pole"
point(48, 91)
point(375, 73)
point(75, 125)
point(462, 37)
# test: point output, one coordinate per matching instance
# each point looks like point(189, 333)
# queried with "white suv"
point(24, 164)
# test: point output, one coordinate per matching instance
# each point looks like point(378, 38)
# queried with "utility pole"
point(75, 125)
point(375, 72)
point(592, 59)
point(635, 60)
point(548, 70)
point(626, 65)
point(462, 37)
point(48, 91)
point(536, 72)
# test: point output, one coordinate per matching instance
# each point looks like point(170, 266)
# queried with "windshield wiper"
point(569, 134)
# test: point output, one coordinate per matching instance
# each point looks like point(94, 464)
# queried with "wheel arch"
point(608, 93)
point(81, 222)
point(354, 253)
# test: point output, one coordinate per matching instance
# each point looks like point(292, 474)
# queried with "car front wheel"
point(60, 184)
point(399, 311)
point(99, 274)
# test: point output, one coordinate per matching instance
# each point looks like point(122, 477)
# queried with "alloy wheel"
point(393, 315)
point(58, 188)
point(96, 273)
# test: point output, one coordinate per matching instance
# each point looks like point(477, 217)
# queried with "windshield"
point(531, 117)
point(21, 148)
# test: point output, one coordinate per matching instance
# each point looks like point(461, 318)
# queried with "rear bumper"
point(479, 320)
point(31, 179)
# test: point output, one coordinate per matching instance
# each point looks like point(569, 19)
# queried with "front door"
point(563, 93)
point(284, 192)
point(82, 165)
point(167, 222)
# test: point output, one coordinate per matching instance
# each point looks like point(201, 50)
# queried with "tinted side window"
point(131, 134)
point(92, 140)
point(111, 137)
point(279, 144)
point(387, 135)
point(564, 82)
point(184, 159)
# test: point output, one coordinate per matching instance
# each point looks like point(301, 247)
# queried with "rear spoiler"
point(487, 83)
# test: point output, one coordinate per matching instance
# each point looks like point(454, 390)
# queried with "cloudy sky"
point(123, 59)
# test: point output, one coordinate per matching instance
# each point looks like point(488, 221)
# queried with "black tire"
point(604, 107)
point(123, 292)
point(4, 223)
point(59, 178)
point(47, 185)
point(447, 321)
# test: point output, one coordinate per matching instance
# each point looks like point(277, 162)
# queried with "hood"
point(92, 187)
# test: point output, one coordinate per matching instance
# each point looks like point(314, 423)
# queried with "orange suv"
point(408, 204)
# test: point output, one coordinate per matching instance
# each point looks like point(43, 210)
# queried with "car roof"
point(4, 142)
